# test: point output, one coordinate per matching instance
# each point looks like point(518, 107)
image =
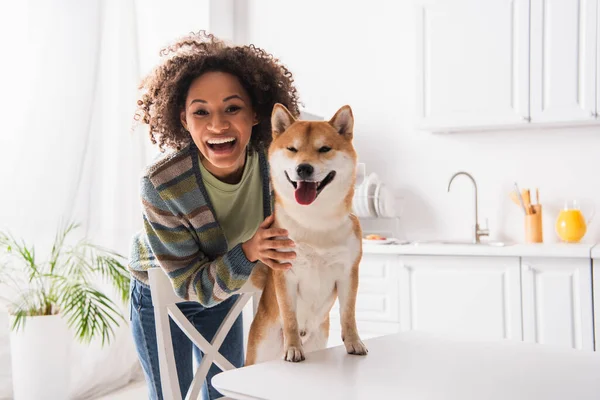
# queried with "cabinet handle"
point(528, 119)
point(594, 114)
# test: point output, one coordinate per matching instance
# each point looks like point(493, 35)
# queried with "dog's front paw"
point(356, 347)
point(294, 354)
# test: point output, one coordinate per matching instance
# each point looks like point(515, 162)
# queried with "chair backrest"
point(165, 302)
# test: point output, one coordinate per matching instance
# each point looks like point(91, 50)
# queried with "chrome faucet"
point(478, 232)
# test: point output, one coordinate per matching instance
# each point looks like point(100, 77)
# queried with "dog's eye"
point(292, 149)
point(324, 149)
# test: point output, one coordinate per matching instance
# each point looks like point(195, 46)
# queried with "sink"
point(459, 242)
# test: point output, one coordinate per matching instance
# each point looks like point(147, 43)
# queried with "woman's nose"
point(218, 123)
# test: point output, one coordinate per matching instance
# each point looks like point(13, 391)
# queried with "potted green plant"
point(49, 298)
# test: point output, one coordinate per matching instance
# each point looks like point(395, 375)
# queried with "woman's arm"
point(173, 242)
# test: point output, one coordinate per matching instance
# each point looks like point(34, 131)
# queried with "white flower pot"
point(39, 355)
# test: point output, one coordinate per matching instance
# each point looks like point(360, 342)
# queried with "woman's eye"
point(324, 149)
point(233, 108)
point(292, 149)
point(201, 112)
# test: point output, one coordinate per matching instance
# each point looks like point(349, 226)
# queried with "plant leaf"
point(89, 311)
point(64, 284)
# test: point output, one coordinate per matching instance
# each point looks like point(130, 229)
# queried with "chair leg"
point(166, 357)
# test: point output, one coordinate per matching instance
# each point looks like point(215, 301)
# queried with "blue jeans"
point(206, 321)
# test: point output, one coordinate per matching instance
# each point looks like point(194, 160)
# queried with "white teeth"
point(221, 140)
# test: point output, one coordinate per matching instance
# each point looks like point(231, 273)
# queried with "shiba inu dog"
point(313, 170)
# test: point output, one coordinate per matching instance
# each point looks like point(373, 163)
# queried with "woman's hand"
point(264, 244)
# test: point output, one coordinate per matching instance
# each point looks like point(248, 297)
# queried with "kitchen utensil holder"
point(533, 225)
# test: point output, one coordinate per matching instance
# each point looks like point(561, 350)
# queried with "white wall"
point(160, 23)
point(362, 53)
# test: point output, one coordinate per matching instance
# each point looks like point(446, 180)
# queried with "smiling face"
point(312, 160)
point(219, 116)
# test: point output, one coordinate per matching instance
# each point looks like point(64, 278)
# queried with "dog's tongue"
point(306, 192)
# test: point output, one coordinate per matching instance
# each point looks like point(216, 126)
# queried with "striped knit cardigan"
point(182, 235)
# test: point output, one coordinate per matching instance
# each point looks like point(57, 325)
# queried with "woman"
point(207, 204)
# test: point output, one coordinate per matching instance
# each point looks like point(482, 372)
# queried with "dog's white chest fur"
point(322, 260)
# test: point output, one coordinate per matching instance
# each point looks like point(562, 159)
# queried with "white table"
point(417, 366)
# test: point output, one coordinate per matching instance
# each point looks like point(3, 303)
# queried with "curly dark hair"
point(165, 89)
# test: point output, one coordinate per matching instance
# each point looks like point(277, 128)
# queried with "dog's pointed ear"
point(343, 121)
point(281, 119)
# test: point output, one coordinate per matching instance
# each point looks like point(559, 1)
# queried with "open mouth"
point(222, 145)
point(307, 191)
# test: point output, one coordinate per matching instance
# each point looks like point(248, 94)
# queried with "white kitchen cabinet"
point(507, 63)
point(473, 63)
point(476, 297)
point(377, 300)
point(541, 294)
point(563, 60)
point(596, 295)
point(557, 301)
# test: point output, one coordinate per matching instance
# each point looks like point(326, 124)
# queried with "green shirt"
point(238, 207)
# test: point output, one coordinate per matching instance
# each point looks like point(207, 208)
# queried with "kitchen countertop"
point(576, 250)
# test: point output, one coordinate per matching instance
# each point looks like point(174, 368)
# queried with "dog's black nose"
point(305, 171)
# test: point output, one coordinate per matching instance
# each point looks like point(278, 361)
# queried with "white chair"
point(165, 302)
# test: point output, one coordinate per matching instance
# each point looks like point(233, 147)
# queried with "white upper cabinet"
point(473, 63)
point(507, 63)
point(563, 60)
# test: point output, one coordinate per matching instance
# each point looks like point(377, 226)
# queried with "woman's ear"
point(183, 120)
point(255, 120)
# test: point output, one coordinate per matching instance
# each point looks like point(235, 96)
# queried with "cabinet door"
point(563, 60)
point(476, 297)
point(473, 63)
point(377, 298)
point(557, 302)
point(376, 301)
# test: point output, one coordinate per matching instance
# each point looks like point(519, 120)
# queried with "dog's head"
point(312, 160)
